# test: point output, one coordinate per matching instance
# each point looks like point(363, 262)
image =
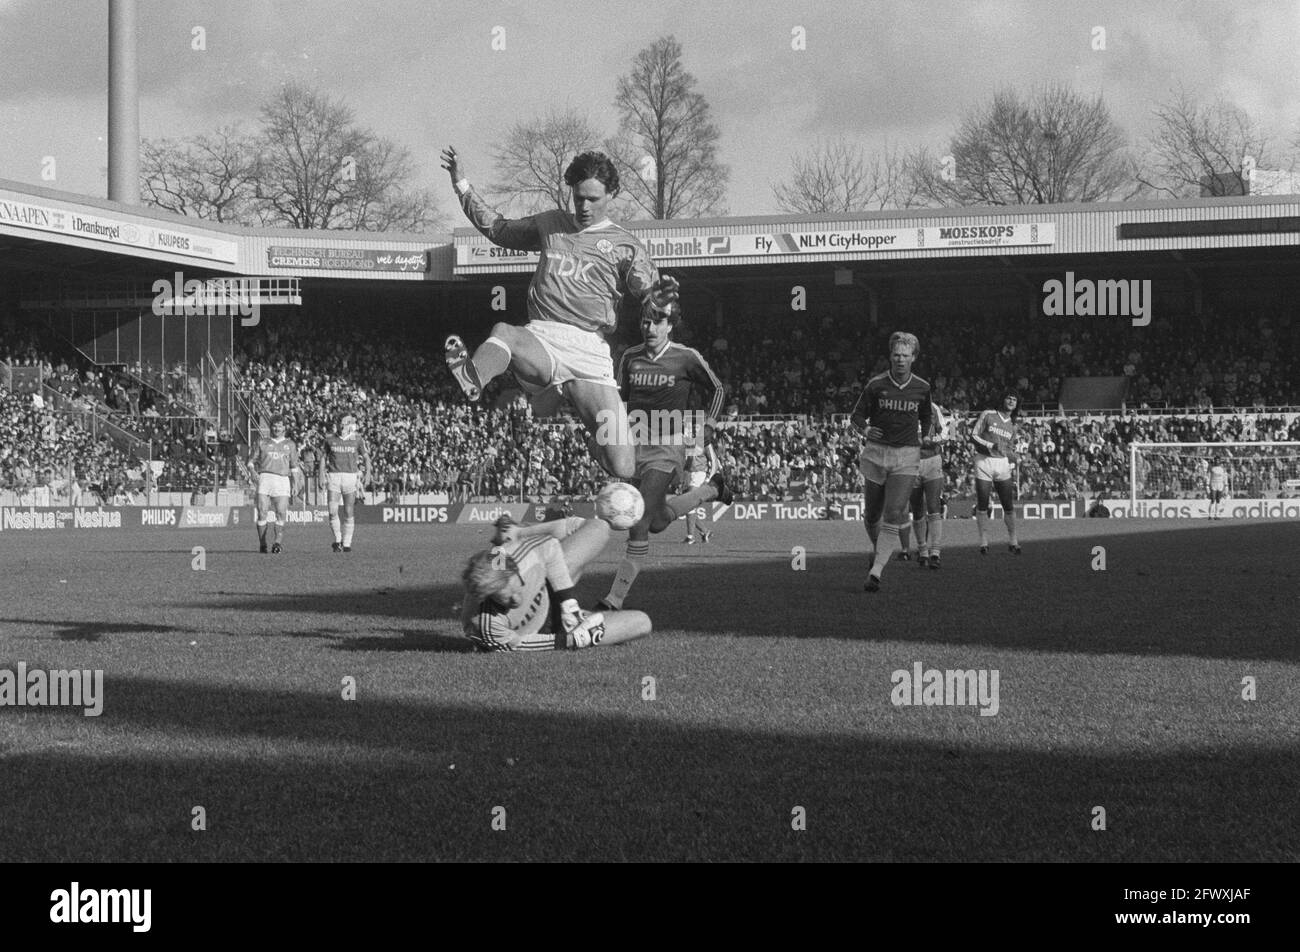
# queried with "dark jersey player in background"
point(927, 494)
point(994, 436)
point(660, 379)
point(344, 471)
point(890, 412)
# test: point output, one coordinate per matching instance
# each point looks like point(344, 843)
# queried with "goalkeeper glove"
point(581, 629)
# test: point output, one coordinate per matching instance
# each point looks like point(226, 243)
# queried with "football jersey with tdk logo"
point(584, 272)
point(896, 408)
point(276, 457)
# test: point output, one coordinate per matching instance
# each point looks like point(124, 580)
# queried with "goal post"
point(1168, 471)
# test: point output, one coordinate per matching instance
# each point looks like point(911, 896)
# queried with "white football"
point(621, 505)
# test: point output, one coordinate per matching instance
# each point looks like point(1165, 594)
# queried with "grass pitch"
point(1119, 689)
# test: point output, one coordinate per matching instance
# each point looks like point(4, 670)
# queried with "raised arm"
point(521, 234)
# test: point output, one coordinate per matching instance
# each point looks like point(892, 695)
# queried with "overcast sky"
point(424, 73)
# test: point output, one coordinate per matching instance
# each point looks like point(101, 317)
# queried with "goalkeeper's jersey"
point(1218, 477)
point(344, 455)
point(277, 457)
point(584, 273)
point(540, 560)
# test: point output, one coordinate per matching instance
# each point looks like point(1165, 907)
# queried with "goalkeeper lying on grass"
point(519, 594)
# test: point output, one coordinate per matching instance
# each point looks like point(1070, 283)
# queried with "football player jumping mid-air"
point(588, 265)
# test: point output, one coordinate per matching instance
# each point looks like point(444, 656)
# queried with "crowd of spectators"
point(426, 439)
point(422, 435)
point(793, 364)
point(53, 433)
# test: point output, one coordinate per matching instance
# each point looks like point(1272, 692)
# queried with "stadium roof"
point(44, 230)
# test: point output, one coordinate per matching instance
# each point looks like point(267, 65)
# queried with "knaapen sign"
point(116, 231)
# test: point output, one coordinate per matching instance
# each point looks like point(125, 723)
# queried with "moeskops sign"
point(117, 231)
point(475, 250)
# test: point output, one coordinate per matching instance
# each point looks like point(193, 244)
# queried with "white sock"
point(885, 548)
point(335, 525)
point(348, 526)
point(934, 531)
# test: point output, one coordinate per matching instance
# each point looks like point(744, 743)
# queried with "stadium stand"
point(783, 435)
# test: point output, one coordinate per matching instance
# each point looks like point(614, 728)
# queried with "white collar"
point(900, 386)
point(603, 223)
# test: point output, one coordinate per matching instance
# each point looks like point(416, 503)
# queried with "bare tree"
point(1199, 148)
point(666, 148)
point(839, 177)
point(530, 164)
point(210, 177)
point(1053, 147)
point(309, 166)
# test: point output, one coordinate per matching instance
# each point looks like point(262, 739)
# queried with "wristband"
point(461, 186)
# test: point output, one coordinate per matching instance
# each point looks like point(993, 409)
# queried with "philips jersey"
point(994, 434)
point(1218, 477)
point(277, 457)
point(583, 274)
point(896, 408)
point(541, 561)
point(345, 455)
point(665, 381)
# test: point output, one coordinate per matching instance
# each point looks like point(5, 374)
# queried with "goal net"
point(1181, 471)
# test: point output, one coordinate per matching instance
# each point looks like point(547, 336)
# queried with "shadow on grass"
point(411, 639)
point(299, 776)
point(90, 630)
point(1229, 593)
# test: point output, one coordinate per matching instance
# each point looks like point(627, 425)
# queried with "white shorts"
point(878, 462)
point(696, 479)
point(931, 469)
point(575, 355)
point(269, 484)
point(995, 469)
point(343, 483)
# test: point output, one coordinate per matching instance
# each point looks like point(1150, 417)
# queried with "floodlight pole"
point(123, 104)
